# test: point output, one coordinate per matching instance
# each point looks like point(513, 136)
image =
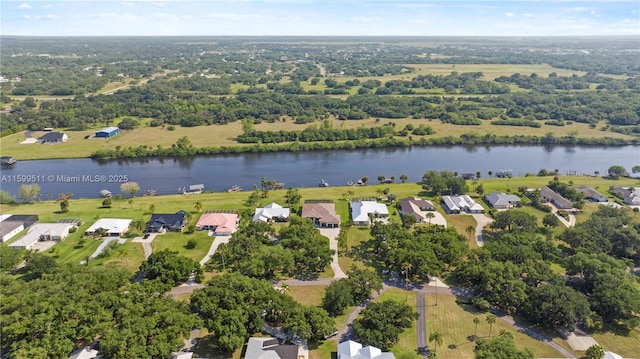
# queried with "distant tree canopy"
point(443, 182)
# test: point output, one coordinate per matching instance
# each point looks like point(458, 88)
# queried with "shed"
point(107, 132)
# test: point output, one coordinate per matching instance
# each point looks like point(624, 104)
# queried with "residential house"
point(499, 200)
point(111, 227)
point(107, 132)
point(270, 348)
point(43, 232)
point(416, 206)
point(84, 353)
point(220, 223)
point(174, 222)
point(12, 224)
point(355, 350)
point(362, 210)
point(611, 355)
point(271, 212)
point(547, 195)
point(629, 195)
point(322, 212)
point(463, 203)
point(53, 137)
point(591, 194)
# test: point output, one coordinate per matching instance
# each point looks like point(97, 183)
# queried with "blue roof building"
point(107, 132)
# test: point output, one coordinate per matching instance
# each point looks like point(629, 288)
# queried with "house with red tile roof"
point(221, 224)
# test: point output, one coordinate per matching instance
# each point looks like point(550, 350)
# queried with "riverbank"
point(222, 138)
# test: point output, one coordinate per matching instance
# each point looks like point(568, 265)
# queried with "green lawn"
point(626, 346)
point(455, 322)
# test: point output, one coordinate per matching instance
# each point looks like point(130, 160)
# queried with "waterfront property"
point(271, 212)
point(322, 212)
point(547, 195)
point(458, 204)
point(107, 132)
point(270, 348)
point(363, 210)
point(499, 200)
point(173, 222)
point(109, 227)
point(194, 189)
point(53, 137)
point(591, 194)
point(629, 195)
point(355, 350)
point(11, 224)
point(220, 223)
point(43, 232)
point(417, 207)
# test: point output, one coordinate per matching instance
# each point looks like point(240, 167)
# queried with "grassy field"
point(224, 135)
point(455, 322)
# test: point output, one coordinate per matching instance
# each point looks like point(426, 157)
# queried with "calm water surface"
point(86, 177)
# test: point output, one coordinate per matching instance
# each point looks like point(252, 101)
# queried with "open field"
point(455, 322)
point(224, 135)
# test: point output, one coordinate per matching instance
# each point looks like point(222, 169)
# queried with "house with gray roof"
point(547, 195)
point(463, 203)
point(43, 232)
point(629, 195)
point(591, 194)
point(173, 222)
point(499, 200)
point(270, 348)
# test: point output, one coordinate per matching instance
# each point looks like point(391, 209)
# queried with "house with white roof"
point(43, 232)
point(361, 210)
point(84, 353)
point(355, 350)
point(458, 204)
point(270, 348)
point(112, 227)
point(499, 200)
point(271, 212)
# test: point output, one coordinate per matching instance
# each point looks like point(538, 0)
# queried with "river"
point(86, 177)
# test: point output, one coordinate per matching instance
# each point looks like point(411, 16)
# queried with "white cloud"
point(509, 14)
point(24, 6)
point(578, 9)
point(40, 17)
point(187, 17)
point(418, 21)
point(125, 3)
point(528, 14)
point(47, 7)
point(26, 16)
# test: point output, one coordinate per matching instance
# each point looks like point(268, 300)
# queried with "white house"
point(11, 225)
point(84, 353)
point(464, 203)
point(360, 211)
point(272, 211)
point(354, 350)
point(43, 232)
point(114, 227)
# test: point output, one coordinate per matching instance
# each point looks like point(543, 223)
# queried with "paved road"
point(332, 234)
point(482, 220)
point(421, 326)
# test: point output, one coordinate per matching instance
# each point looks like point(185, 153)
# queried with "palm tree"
point(198, 206)
point(470, 230)
point(436, 338)
point(430, 215)
point(404, 178)
point(476, 321)
point(597, 173)
point(491, 319)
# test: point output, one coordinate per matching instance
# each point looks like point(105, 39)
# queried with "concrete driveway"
point(482, 220)
point(332, 234)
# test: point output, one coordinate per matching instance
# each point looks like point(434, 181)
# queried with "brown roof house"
point(323, 213)
point(416, 206)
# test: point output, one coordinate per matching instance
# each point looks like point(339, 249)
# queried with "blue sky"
point(321, 17)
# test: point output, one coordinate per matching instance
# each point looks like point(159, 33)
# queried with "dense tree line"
point(235, 307)
point(418, 254)
point(512, 272)
point(72, 306)
point(299, 250)
point(312, 134)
